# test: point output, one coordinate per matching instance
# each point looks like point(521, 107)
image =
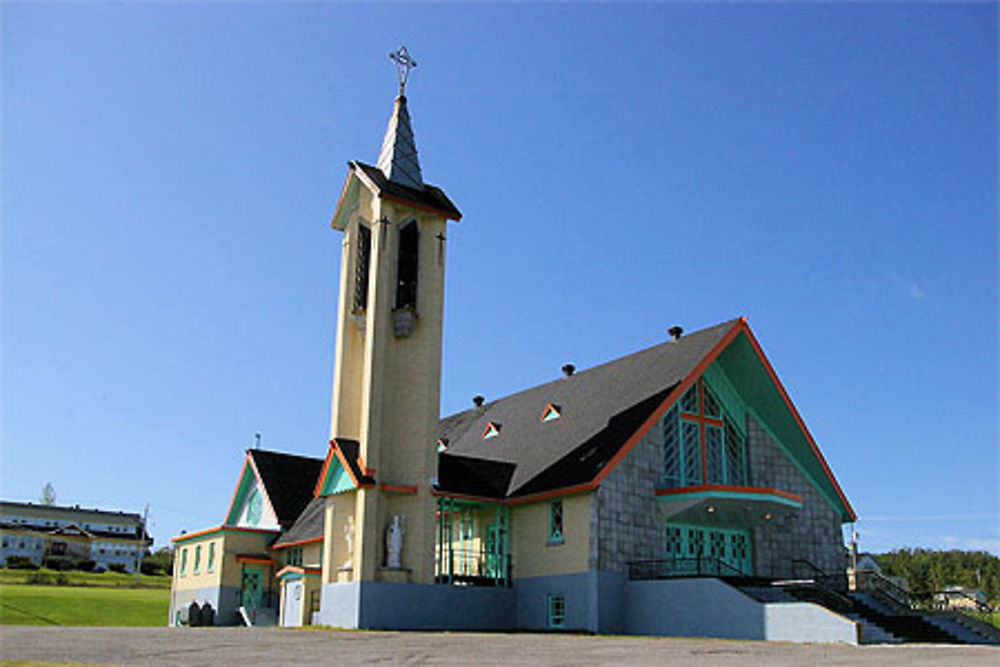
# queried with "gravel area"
point(254, 646)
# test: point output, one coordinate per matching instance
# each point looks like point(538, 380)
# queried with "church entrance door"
point(252, 590)
point(688, 545)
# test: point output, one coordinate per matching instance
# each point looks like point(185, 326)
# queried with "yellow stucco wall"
point(534, 555)
point(226, 570)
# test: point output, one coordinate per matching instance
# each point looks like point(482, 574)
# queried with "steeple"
point(398, 159)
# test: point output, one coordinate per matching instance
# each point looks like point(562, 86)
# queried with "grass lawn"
point(75, 578)
point(71, 605)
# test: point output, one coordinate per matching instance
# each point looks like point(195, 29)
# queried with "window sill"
point(555, 541)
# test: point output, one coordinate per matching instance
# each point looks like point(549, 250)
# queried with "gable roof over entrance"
point(605, 411)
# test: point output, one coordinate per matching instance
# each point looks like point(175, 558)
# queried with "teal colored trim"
point(248, 481)
point(744, 368)
point(292, 576)
point(732, 495)
point(726, 394)
point(223, 529)
point(336, 480)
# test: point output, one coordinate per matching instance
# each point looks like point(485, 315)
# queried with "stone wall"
point(625, 523)
point(813, 533)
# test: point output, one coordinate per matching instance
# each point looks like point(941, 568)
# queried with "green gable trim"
point(732, 495)
point(726, 393)
point(248, 481)
point(292, 576)
point(336, 479)
point(740, 365)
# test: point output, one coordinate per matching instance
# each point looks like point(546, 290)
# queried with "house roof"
point(308, 526)
point(288, 480)
point(600, 409)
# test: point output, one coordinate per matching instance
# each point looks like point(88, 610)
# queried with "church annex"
point(646, 495)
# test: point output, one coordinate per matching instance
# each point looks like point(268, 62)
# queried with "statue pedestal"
point(396, 575)
point(345, 574)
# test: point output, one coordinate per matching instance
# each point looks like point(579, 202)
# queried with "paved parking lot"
point(253, 646)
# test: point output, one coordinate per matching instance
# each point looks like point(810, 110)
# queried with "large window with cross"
point(702, 442)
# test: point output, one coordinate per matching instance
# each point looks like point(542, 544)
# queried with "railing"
point(887, 589)
point(472, 567)
point(804, 569)
point(682, 567)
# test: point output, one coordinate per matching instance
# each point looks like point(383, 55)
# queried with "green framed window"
point(293, 556)
point(702, 441)
point(556, 605)
point(211, 556)
point(184, 561)
point(197, 559)
point(556, 524)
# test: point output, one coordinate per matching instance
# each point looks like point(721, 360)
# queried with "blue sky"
point(828, 170)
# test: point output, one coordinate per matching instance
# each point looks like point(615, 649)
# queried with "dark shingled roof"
point(289, 481)
point(308, 526)
point(351, 449)
point(600, 408)
point(430, 197)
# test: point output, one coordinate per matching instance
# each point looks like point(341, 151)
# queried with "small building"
point(961, 598)
point(66, 535)
point(623, 498)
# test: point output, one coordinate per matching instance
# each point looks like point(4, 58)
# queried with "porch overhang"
point(726, 506)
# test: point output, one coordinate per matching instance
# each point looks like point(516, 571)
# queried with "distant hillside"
point(929, 571)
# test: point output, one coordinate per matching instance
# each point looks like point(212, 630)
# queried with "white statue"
point(349, 537)
point(394, 543)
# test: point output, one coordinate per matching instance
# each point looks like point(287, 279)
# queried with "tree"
point(48, 494)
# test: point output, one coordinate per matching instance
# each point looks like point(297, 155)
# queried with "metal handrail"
point(682, 567)
point(879, 583)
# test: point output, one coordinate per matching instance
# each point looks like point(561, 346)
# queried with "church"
point(658, 493)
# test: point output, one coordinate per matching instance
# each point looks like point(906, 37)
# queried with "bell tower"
point(387, 375)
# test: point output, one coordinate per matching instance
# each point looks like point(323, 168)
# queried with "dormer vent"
point(568, 370)
point(675, 332)
point(492, 430)
point(478, 401)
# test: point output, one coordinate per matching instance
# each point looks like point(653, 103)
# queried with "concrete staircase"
point(915, 627)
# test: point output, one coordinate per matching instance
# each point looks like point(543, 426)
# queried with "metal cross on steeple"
point(404, 63)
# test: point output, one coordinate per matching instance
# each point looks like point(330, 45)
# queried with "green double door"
point(252, 590)
point(730, 547)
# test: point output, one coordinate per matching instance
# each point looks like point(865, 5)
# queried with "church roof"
point(427, 197)
point(600, 409)
point(398, 157)
point(288, 480)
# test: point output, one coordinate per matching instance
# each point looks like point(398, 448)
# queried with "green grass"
point(69, 605)
point(74, 578)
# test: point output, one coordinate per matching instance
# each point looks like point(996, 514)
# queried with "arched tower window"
point(362, 261)
point(406, 266)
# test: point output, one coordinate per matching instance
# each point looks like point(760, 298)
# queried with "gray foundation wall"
point(813, 533)
point(711, 608)
point(224, 599)
point(393, 606)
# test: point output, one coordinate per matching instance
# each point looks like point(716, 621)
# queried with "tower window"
point(361, 267)
point(406, 266)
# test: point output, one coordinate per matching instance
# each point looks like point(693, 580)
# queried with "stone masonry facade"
point(813, 533)
point(625, 523)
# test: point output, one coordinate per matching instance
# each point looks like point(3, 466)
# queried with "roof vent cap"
point(675, 332)
point(568, 369)
point(478, 401)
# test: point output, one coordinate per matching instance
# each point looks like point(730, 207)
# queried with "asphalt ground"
point(271, 646)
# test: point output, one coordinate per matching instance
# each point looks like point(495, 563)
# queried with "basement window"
point(492, 430)
point(556, 610)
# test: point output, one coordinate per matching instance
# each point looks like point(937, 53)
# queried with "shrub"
point(84, 565)
point(151, 568)
point(54, 563)
point(62, 579)
point(39, 579)
point(21, 563)
point(117, 567)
